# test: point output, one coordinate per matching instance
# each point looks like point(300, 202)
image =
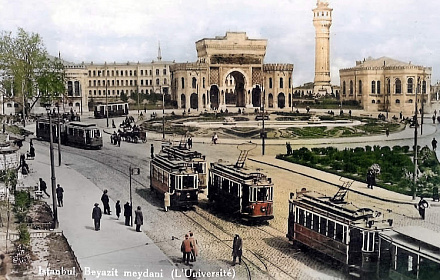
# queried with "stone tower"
point(322, 20)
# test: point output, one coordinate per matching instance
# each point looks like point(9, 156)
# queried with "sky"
point(130, 30)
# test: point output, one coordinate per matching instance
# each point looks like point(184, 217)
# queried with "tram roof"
point(182, 153)
point(170, 163)
point(242, 173)
point(82, 124)
point(417, 239)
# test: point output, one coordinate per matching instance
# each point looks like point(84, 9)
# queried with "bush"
point(24, 236)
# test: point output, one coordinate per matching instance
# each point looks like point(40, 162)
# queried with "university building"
point(229, 72)
point(387, 85)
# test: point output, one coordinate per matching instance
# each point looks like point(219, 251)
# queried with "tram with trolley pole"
point(235, 189)
point(114, 110)
point(349, 235)
point(78, 134)
point(175, 177)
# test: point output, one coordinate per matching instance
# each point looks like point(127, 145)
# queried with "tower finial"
point(159, 55)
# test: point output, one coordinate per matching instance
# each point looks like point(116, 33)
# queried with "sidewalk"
point(115, 248)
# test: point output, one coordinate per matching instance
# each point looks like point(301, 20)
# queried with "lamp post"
point(106, 94)
point(59, 136)
point(132, 171)
point(52, 170)
point(415, 144)
point(263, 133)
point(163, 113)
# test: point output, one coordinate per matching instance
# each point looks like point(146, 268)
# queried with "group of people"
point(189, 248)
point(59, 191)
point(97, 212)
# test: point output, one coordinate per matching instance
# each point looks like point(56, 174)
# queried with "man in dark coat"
point(105, 201)
point(186, 248)
point(138, 219)
point(43, 187)
point(237, 249)
point(152, 151)
point(118, 208)
point(60, 195)
point(127, 213)
point(96, 216)
point(423, 204)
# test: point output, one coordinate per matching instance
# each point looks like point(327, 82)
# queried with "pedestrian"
point(60, 195)
point(237, 249)
point(215, 138)
point(433, 118)
point(96, 216)
point(119, 140)
point(105, 202)
point(190, 142)
point(118, 208)
point(113, 124)
point(166, 201)
point(434, 144)
point(152, 151)
point(387, 132)
point(194, 250)
point(289, 148)
point(423, 204)
point(127, 213)
point(138, 219)
point(43, 187)
point(31, 154)
point(186, 248)
point(371, 180)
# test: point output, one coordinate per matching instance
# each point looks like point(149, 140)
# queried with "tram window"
point(188, 182)
point(331, 229)
point(323, 226)
point(316, 223)
point(308, 220)
point(234, 189)
point(97, 133)
point(368, 244)
point(339, 232)
point(406, 262)
point(301, 217)
point(172, 183)
point(261, 194)
point(225, 185)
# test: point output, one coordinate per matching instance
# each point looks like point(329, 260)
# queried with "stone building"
point(229, 72)
point(387, 85)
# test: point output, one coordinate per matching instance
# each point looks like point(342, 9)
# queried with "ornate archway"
point(270, 100)
point(256, 97)
point(194, 101)
point(237, 94)
point(214, 97)
point(281, 100)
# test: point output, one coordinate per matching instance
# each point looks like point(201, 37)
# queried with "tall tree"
point(26, 65)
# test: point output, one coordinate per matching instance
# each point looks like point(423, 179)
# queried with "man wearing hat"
point(96, 216)
point(237, 249)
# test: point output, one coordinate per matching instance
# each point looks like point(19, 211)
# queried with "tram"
point(175, 176)
point(79, 134)
point(236, 189)
point(114, 110)
point(347, 234)
point(196, 160)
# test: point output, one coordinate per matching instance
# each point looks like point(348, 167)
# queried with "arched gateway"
point(229, 72)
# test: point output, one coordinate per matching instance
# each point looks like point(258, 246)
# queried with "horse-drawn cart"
point(134, 135)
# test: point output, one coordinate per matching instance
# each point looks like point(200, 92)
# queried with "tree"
point(32, 72)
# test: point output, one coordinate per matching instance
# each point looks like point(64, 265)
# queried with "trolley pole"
point(52, 169)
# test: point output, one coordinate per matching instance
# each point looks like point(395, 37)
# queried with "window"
point(316, 223)
point(343, 88)
point(142, 72)
point(301, 217)
point(157, 71)
point(131, 73)
point(151, 72)
point(388, 86)
point(270, 82)
point(424, 87)
point(378, 87)
point(351, 87)
point(398, 86)
point(397, 101)
point(281, 83)
point(164, 71)
point(360, 87)
point(323, 226)
point(183, 82)
point(165, 81)
point(410, 85)
point(331, 229)
point(203, 82)
point(194, 82)
point(142, 82)
point(373, 87)
point(157, 82)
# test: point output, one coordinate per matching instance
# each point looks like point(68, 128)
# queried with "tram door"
point(88, 138)
point(244, 199)
point(355, 249)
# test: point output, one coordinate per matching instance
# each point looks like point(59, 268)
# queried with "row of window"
point(376, 89)
point(121, 83)
point(113, 73)
point(118, 92)
point(194, 82)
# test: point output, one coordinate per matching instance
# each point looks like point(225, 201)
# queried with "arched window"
point(183, 82)
point(388, 86)
point(157, 71)
point(373, 87)
point(194, 82)
point(165, 81)
point(70, 88)
point(360, 87)
point(378, 87)
point(410, 101)
point(424, 87)
point(343, 88)
point(373, 101)
point(270, 82)
point(398, 86)
point(410, 85)
point(131, 73)
point(378, 101)
point(281, 83)
point(157, 82)
point(397, 101)
point(351, 87)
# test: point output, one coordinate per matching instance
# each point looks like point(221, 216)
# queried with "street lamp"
point(132, 171)
point(59, 135)
point(52, 169)
point(163, 113)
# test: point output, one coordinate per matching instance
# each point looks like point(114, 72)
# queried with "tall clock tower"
point(322, 20)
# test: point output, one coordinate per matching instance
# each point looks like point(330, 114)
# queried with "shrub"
point(24, 236)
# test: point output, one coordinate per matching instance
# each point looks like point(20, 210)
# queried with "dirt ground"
point(47, 255)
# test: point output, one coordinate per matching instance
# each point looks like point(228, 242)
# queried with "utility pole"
point(415, 145)
point(52, 169)
point(59, 136)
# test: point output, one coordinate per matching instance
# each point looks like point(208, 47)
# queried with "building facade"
point(387, 85)
point(92, 83)
point(229, 72)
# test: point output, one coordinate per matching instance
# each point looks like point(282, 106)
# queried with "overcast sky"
point(129, 30)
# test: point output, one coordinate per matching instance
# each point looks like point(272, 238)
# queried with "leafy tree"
point(124, 97)
point(26, 66)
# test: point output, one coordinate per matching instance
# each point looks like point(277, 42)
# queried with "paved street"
point(84, 174)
